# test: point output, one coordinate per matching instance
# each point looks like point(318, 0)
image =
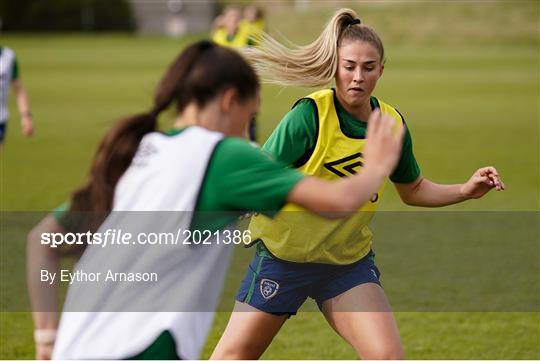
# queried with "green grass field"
point(464, 75)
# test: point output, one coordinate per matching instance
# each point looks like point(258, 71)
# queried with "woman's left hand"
point(481, 182)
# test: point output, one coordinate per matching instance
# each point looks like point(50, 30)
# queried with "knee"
point(240, 351)
point(393, 355)
point(383, 353)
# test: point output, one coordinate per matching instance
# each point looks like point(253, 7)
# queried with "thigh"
point(340, 279)
point(274, 286)
point(363, 317)
point(248, 333)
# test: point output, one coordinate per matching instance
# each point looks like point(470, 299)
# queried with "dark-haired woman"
point(203, 166)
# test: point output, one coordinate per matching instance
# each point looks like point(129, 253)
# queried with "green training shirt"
point(294, 139)
point(239, 178)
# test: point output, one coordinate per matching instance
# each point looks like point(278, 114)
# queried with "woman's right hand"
point(383, 144)
point(44, 351)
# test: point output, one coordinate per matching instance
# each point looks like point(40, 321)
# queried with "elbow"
point(347, 208)
point(412, 201)
point(34, 247)
point(408, 201)
point(340, 208)
point(33, 238)
point(410, 193)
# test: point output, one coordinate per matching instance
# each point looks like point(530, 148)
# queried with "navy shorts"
point(3, 128)
point(280, 288)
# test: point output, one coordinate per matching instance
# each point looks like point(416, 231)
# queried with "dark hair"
point(201, 72)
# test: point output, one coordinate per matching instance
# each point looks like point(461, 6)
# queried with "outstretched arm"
point(254, 181)
point(24, 108)
point(425, 193)
point(334, 199)
point(43, 297)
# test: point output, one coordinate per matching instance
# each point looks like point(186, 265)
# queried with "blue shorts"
point(3, 128)
point(280, 288)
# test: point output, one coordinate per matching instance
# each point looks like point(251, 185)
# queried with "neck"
point(360, 111)
point(192, 115)
point(186, 118)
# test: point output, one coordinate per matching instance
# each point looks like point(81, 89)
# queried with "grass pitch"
point(464, 75)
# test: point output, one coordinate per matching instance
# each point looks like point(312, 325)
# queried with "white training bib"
point(7, 58)
point(158, 193)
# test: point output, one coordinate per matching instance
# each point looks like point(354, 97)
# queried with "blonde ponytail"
point(311, 65)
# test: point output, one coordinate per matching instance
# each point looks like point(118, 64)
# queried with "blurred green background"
point(465, 75)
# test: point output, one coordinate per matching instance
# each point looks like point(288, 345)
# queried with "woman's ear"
point(228, 98)
point(382, 71)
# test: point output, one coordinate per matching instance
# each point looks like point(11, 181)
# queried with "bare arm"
point(425, 193)
point(334, 199)
point(24, 107)
point(43, 296)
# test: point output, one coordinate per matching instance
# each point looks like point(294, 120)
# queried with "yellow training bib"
point(240, 39)
point(295, 234)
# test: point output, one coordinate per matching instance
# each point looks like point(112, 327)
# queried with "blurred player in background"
point(229, 29)
point(254, 22)
point(301, 255)
point(9, 75)
point(203, 165)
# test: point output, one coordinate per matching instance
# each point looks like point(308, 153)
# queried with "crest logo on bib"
point(268, 288)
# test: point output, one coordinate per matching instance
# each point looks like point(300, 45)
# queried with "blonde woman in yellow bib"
point(230, 31)
point(300, 255)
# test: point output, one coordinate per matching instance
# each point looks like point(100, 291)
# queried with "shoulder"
point(321, 94)
point(300, 121)
point(320, 99)
point(388, 109)
point(311, 104)
point(6, 50)
point(236, 157)
point(303, 114)
point(304, 106)
point(237, 151)
point(235, 144)
point(193, 136)
point(7, 54)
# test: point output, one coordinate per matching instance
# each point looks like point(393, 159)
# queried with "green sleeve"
point(15, 70)
point(407, 169)
point(294, 139)
point(242, 177)
point(60, 212)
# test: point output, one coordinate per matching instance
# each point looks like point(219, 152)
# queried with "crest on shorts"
point(268, 288)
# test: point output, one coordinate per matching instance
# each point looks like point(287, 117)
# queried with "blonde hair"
point(314, 64)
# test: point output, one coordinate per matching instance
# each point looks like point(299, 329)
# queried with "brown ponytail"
point(92, 202)
point(198, 74)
